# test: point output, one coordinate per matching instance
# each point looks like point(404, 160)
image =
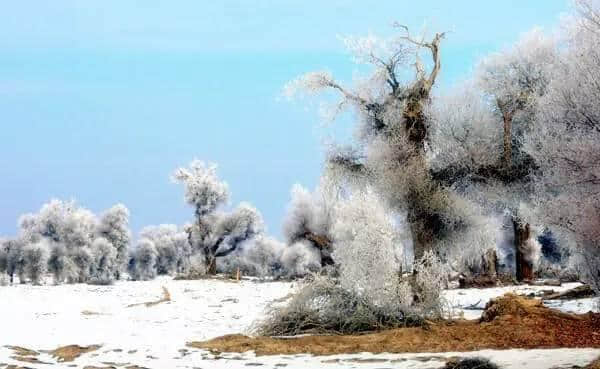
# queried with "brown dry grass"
point(166, 298)
point(72, 352)
point(510, 322)
point(22, 351)
point(594, 364)
point(28, 359)
point(114, 367)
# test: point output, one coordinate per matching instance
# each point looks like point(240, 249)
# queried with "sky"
point(100, 101)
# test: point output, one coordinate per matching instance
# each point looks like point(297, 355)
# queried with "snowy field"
point(131, 333)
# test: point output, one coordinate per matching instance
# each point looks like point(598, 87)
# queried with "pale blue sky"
point(101, 100)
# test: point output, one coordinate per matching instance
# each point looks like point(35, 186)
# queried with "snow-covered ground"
point(46, 317)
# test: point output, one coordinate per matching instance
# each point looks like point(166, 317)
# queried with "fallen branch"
point(166, 298)
point(578, 292)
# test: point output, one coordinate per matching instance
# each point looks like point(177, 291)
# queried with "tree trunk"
point(523, 262)
point(210, 262)
point(490, 263)
point(507, 118)
point(422, 237)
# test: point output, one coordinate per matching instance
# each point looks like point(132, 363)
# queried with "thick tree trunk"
point(490, 263)
point(523, 262)
point(422, 237)
point(507, 119)
point(211, 266)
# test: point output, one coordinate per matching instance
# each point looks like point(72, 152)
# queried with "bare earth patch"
point(509, 321)
point(72, 352)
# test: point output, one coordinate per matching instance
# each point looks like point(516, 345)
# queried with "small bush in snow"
point(323, 306)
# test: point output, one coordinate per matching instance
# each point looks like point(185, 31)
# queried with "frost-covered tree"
point(392, 130)
point(232, 229)
point(309, 219)
point(60, 264)
point(259, 257)
point(565, 141)
point(205, 192)
point(114, 227)
point(174, 250)
point(515, 80)
point(215, 234)
point(60, 221)
point(299, 259)
point(82, 259)
point(142, 264)
point(35, 260)
point(105, 262)
point(69, 231)
point(11, 258)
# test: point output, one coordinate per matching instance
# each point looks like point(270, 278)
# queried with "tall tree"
point(392, 129)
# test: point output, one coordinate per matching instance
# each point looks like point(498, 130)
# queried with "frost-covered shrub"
point(105, 262)
point(142, 265)
point(368, 292)
point(365, 247)
point(35, 258)
point(431, 279)
point(323, 306)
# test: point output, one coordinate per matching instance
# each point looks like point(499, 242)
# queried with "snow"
point(46, 317)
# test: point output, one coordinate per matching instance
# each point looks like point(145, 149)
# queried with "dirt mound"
point(512, 305)
point(510, 322)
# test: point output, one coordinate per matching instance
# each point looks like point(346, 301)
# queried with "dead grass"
point(72, 352)
point(22, 351)
point(594, 364)
point(28, 359)
point(509, 322)
point(166, 298)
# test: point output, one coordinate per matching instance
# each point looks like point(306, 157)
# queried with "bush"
point(323, 306)
point(367, 292)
